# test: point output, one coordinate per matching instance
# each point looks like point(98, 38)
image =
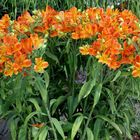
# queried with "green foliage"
point(98, 107)
point(16, 7)
point(134, 5)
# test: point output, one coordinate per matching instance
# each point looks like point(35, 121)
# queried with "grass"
point(16, 7)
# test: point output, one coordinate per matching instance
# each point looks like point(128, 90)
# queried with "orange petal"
point(27, 63)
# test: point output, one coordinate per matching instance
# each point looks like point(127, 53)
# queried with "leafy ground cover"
point(70, 73)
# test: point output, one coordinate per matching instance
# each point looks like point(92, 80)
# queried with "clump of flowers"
point(115, 37)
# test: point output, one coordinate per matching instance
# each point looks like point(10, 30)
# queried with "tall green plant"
point(78, 98)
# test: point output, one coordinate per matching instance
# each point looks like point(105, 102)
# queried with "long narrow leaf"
point(58, 127)
point(90, 135)
point(97, 94)
point(97, 128)
point(76, 126)
point(22, 133)
point(86, 89)
point(43, 133)
point(110, 122)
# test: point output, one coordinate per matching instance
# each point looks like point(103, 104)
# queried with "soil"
point(136, 137)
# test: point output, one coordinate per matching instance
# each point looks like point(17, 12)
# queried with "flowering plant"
point(116, 33)
point(107, 36)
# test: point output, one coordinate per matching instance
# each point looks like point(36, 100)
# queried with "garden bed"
point(69, 70)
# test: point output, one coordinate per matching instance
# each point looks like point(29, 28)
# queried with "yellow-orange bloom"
point(136, 68)
point(36, 40)
point(10, 69)
point(40, 65)
point(4, 24)
point(84, 50)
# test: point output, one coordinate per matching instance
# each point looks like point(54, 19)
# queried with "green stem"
point(89, 118)
point(72, 59)
point(122, 102)
point(85, 105)
point(50, 119)
point(15, 10)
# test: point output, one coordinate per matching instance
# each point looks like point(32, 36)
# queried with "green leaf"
point(35, 132)
point(68, 45)
point(43, 133)
point(97, 128)
point(97, 94)
point(67, 126)
point(58, 127)
point(13, 128)
point(29, 117)
point(22, 133)
point(46, 78)
point(42, 89)
point(52, 56)
point(18, 104)
point(35, 103)
point(111, 101)
point(52, 101)
point(110, 122)
point(72, 104)
point(127, 126)
point(86, 89)
point(90, 135)
point(116, 76)
point(58, 101)
point(107, 135)
point(76, 126)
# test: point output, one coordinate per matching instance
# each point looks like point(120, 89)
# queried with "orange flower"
point(21, 60)
point(23, 23)
point(25, 18)
point(109, 29)
point(94, 50)
point(22, 28)
point(4, 24)
point(84, 50)
point(85, 31)
point(3, 59)
point(75, 35)
point(110, 60)
point(88, 31)
point(103, 58)
point(36, 40)
point(26, 63)
point(5, 21)
point(113, 62)
point(10, 39)
point(27, 45)
point(40, 65)
point(12, 49)
point(38, 125)
point(10, 69)
point(72, 16)
point(1, 68)
point(127, 53)
point(49, 17)
point(39, 29)
point(136, 67)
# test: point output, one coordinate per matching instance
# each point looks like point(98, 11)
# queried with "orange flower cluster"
point(115, 36)
point(15, 52)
